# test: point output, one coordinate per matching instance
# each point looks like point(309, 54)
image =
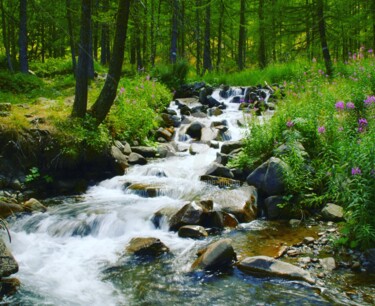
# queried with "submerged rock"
point(147, 247)
point(268, 266)
point(218, 255)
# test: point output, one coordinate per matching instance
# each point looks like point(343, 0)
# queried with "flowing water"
point(74, 254)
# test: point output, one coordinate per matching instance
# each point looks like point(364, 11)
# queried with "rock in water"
point(219, 254)
point(34, 205)
point(192, 231)
point(8, 265)
point(268, 266)
point(147, 247)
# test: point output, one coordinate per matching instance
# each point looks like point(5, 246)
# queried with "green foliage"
point(34, 177)
point(172, 75)
point(52, 67)
point(336, 128)
point(19, 82)
point(134, 113)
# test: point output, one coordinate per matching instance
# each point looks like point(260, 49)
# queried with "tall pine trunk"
point(323, 38)
point(198, 36)
point(107, 96)
point(6, 40)
point(241, 38)
point(207, 63)
point(24, 64)
point(262, 57)
point(80, 100)
point(173, 54)
point(71, 35)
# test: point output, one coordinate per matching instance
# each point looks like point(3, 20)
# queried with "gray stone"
point(197, 148)
point(219, 254)
point(120, 158)
point(216, 169)
point(223, 182)
point(164, 133)
point(273, 210)
point(208, 134)
point(189, 214)
point(229, 146)
point(148, 152)
point(269, 176)
point(8, 265)
point(333, 212)
point(137, 159)
point(308, 240)
point(8, 209)
point(192, 231)
point(147, 247)
point(268, 266)
point(328, 263)
point(294, 222)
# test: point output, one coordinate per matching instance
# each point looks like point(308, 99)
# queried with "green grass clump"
point(172, 75)
point(328, 125)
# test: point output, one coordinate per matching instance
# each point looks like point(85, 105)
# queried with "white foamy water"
point(62, 253)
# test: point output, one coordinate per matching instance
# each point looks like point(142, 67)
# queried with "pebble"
point(304, 260)
point(356, 265)
point(308, 240)
point(292, 253)
point(321, 275)
point(331, 230)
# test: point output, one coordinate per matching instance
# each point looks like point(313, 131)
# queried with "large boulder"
point(137, 159)
point(148, 246)
point(218, 255)
point(273, 209)
point(208, 134)
point(268, 266)
point(333, 212)
point(269, 177)
point(8, 265)
point(120, 158)
point(222, 182)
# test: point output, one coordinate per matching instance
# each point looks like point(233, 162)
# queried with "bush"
point(134, 113)
point(173, 75)
point(18, 83)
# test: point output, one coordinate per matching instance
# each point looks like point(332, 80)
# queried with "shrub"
point(17, 83)
point(173, 75)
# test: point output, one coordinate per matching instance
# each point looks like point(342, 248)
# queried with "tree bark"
point(24, 64)
point(207, 63)
point(323, 38)
point(80, 100)
point(107, 96)
point(104, 42)
point(373, 24)
point(5, 37)
point(220, 35)
point(173, 54)
point(71, 35)
point(241, 37)
point(262, 57)
point(198, 36)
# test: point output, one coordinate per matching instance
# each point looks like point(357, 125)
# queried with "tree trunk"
point(323, 38)
point(24, 65)
point(262, 57)
point(5, 37)
point(104, 42)
point(152, 34)
point(71, 35)
point(241, 37)
point(108, 94)
point(207, 63)
point(220, 35)
point(80, 100)
point(373, 24)
point(173, 55)
point(198, 36)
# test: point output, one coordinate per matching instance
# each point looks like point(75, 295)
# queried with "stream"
point(75, 253)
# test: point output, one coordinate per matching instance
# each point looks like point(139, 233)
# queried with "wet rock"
point(294, 222)
point(269, 176)
point(162, 217)
point(333, 212)
point(192, 231)
point(229, 146)
point(164, 133)
point(144, 190)
point(213, 219)
point(136, 159)
point(195, 130)
point(356, 266)
point(304, 260)
point(216, 169)
point(220, 181)
point(9, 286)
point(268, 266)
point(149, 246)
point(148, 152)
point(292, 252)
point(218, 255)
point(165, 150)
point(328, 263)
point(197, 148)
point(120, 158)
point(8, 209)
point(272, 208)
point(33, 205)
point(199, 115)
point(207, 205)
point(370, 257)
point(208, 134)
point(189, 214)
point(308, 240)
point(8, 265)
point(281, 251)
point(215, 111)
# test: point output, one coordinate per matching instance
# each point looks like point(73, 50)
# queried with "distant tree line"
point(221, 35)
